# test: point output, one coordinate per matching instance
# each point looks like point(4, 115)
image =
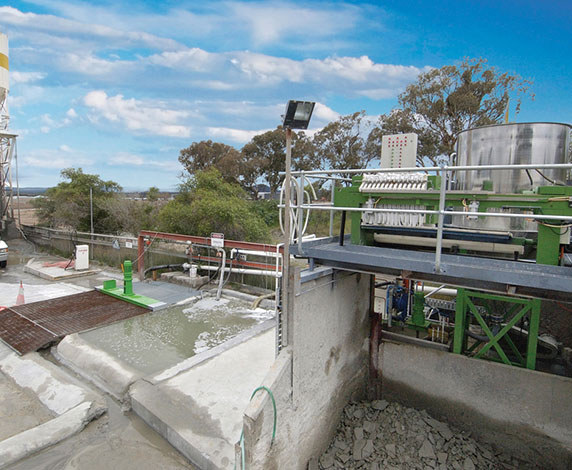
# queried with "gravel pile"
point(381, 435)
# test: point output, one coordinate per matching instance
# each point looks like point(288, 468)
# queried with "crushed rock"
point(383, 435)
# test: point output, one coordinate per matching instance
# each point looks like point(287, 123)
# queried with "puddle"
point(158, 340)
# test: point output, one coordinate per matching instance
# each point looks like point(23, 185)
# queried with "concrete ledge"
point(54, 273)
point(200, 410)
point(105, 371)
point(73, 404)
point(58, 391)
point(28, 442)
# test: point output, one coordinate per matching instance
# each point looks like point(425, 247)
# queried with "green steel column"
point(418, 314)
point(533, 334)
point(127, 278)
point(548, 246)
point(460, 320)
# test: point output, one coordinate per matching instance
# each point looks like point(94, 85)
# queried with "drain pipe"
point(374, 388)
point(221, 279)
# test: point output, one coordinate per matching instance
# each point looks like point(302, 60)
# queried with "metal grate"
point(32, 326)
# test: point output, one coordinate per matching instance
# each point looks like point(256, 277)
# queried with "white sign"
point(128, 245)
point(217, 240)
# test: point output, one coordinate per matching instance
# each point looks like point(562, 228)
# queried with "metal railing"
point(445, 173)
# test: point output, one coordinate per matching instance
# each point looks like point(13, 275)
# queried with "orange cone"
point(20, 299)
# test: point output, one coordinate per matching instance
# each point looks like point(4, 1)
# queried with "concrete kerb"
point(73, 404)
point(106, 372)
point(45, 435)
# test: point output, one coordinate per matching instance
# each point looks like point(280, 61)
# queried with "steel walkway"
point(29, 327)
point(514, 277)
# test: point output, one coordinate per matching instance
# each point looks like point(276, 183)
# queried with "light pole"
point(297, 116)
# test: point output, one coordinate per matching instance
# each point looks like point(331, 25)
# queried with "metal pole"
point(17, 185)
point(91, 210)
point(300, 202)
point(444, 178)
point(286, 261)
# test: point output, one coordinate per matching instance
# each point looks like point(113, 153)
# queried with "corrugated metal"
point(32, 326)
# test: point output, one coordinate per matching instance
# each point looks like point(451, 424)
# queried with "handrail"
point(358, 171)
point(445, 172)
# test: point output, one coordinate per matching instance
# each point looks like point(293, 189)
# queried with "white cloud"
point(322, 112)
point(59, 26)
point(129, 159)
point(270, 22)
point(26, 77)
point(238, 136)
point(63, 157)
point(137, 115)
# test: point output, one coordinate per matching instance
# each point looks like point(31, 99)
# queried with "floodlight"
point(298, 114)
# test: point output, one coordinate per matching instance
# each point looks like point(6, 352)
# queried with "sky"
point(119, 88)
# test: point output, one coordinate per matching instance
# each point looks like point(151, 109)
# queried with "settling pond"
point(158, 340)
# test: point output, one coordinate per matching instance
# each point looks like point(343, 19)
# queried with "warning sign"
point(217, 240)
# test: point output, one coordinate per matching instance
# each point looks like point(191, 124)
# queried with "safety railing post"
point(299, 204)
point(441, 217)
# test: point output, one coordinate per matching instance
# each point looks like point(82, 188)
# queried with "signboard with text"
point(217, 240)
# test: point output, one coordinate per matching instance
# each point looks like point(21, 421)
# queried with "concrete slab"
point(55, 273)
point(199, 411)
point(70, 404)
point(36, 292)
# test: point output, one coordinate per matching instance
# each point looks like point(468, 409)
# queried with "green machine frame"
point(545, 200)
point(518, 310)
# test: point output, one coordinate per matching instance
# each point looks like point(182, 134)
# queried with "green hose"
point(242, 452)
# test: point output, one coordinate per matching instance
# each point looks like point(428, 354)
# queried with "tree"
point(265, 154)
point(207, 154)
point(341, 145)
point(207, 203)
point(443, 102)
point(68, 203)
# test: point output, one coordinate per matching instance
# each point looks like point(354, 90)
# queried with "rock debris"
point(381, 435)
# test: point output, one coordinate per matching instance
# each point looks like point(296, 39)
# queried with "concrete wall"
point(324, 366)
point(527, 411)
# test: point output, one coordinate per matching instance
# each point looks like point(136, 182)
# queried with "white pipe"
point(442, 291)
point(256, 272)
point(221, 279)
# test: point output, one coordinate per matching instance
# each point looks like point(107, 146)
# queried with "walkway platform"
point(200, 410)
point(53, 271)
point(515, 277)
point(30, 327)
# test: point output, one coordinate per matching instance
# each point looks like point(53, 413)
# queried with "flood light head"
point(298, 114)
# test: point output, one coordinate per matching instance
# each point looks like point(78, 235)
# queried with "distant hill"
point(31, 191)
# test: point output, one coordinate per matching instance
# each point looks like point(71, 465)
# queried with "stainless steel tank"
point(511, 144)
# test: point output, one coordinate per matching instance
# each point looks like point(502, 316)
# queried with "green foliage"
point(443, 102)
point(340, 144)
point(207, 203)
point(68, 203)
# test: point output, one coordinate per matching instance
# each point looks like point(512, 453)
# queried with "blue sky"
point(118, 88)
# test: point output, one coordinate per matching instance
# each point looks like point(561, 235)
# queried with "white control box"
point(81, 257)
point(399, 151)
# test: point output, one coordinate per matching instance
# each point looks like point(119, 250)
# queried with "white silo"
point(4, 80)
point(7, 141)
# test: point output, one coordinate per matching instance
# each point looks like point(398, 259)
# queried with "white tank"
point(4, 81)
point(4, 78)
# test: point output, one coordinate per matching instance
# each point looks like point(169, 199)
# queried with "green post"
point(548, 246)
point(127, 278)
point(533, 334)
point(460, 320)
point(418, 314)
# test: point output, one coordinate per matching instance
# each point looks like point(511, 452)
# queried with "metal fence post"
point(443, 189)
